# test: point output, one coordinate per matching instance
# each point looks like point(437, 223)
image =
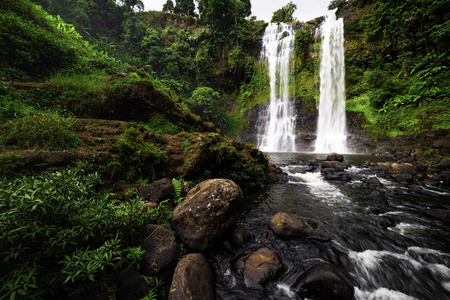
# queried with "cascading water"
point(277, 130)
point(331, 136)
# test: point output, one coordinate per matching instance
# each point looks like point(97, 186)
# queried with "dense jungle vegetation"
point(104, 76)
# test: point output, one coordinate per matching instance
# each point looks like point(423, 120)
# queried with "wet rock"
point(356, 185)
point(444, 163)
point(193, 279)
point(161, 250)
point(402, 168)
point(286, 225)
point(324, 282)
point(403, 177)
point(209, 210)
point(373, 181)
point(265, 238)
point(310, 168)
point(337, 166)
point(345, 177)
point(440, 214)
point(335, 157)
point(131, 285)
point(240, 236)
point(259, 266)
point(376, 198)
point(157, 191)
point(381, 168)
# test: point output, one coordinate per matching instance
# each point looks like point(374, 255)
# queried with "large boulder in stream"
point(209, 210)
point(335, 157)
point(286, 225)
point(161, 250)
point(259, 266)
point(335, 166)
point(324, 282)
point(193, 279)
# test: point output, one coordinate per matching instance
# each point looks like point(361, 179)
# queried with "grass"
point(46, 130)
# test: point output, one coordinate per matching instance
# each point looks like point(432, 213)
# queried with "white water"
point(331, 136)
point(277, 133)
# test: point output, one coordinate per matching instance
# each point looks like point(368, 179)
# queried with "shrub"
point(61, 234)
point(45, 130)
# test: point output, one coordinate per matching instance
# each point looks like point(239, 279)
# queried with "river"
point(388, 250)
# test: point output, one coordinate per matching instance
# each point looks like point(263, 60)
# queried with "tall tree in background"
point(224, 13)
point(169, 6)
point(284, 14)
point(185, 7)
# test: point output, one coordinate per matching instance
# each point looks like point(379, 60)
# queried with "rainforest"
point(175, 154)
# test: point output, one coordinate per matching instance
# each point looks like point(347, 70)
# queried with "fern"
point(177, 190)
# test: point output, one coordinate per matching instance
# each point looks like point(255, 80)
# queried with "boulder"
point(404, 168)
point(259, 266)
point(337, 166)
point(58, 158)
point(440, 214)
point(444, 163)
point(240, 236)
point(286, 225)
point(193, 279)
point(403, 177)
point(161, 250)
point(131, 285)
point(335, 157)
point(373, 181)
point(324, 282)
point(209, 210)
point(157, 191)
point(376, 198)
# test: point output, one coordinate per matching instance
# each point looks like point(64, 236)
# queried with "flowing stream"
point(331, 132)
point(277, 130)
point(387, 250)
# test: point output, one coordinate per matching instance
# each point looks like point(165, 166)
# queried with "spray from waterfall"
point(331, 127)
point(276, 132)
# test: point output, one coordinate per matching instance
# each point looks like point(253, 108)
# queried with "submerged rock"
point(259, 266)
point(240, 236)
point(440, 214)
point(209, 210)
point(376, 198)
point(193, 279)
point(324, 282)
point(286, 225)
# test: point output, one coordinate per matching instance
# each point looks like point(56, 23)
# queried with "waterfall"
point(276, 132)
point(331, 136)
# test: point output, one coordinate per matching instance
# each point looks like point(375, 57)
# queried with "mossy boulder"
point(286, 225)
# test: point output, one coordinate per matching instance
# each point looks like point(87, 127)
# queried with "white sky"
point(264, 9)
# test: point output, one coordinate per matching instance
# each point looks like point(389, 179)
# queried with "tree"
point(185, 7)
point(284, 14)
point(336, 3)
point(169, 6)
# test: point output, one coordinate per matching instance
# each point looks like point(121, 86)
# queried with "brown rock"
point(157, 191)
point(209, 210)
point(335, 157)
point(161, 250)
point(286, 225)
point(194, 279)
point(259, 266)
